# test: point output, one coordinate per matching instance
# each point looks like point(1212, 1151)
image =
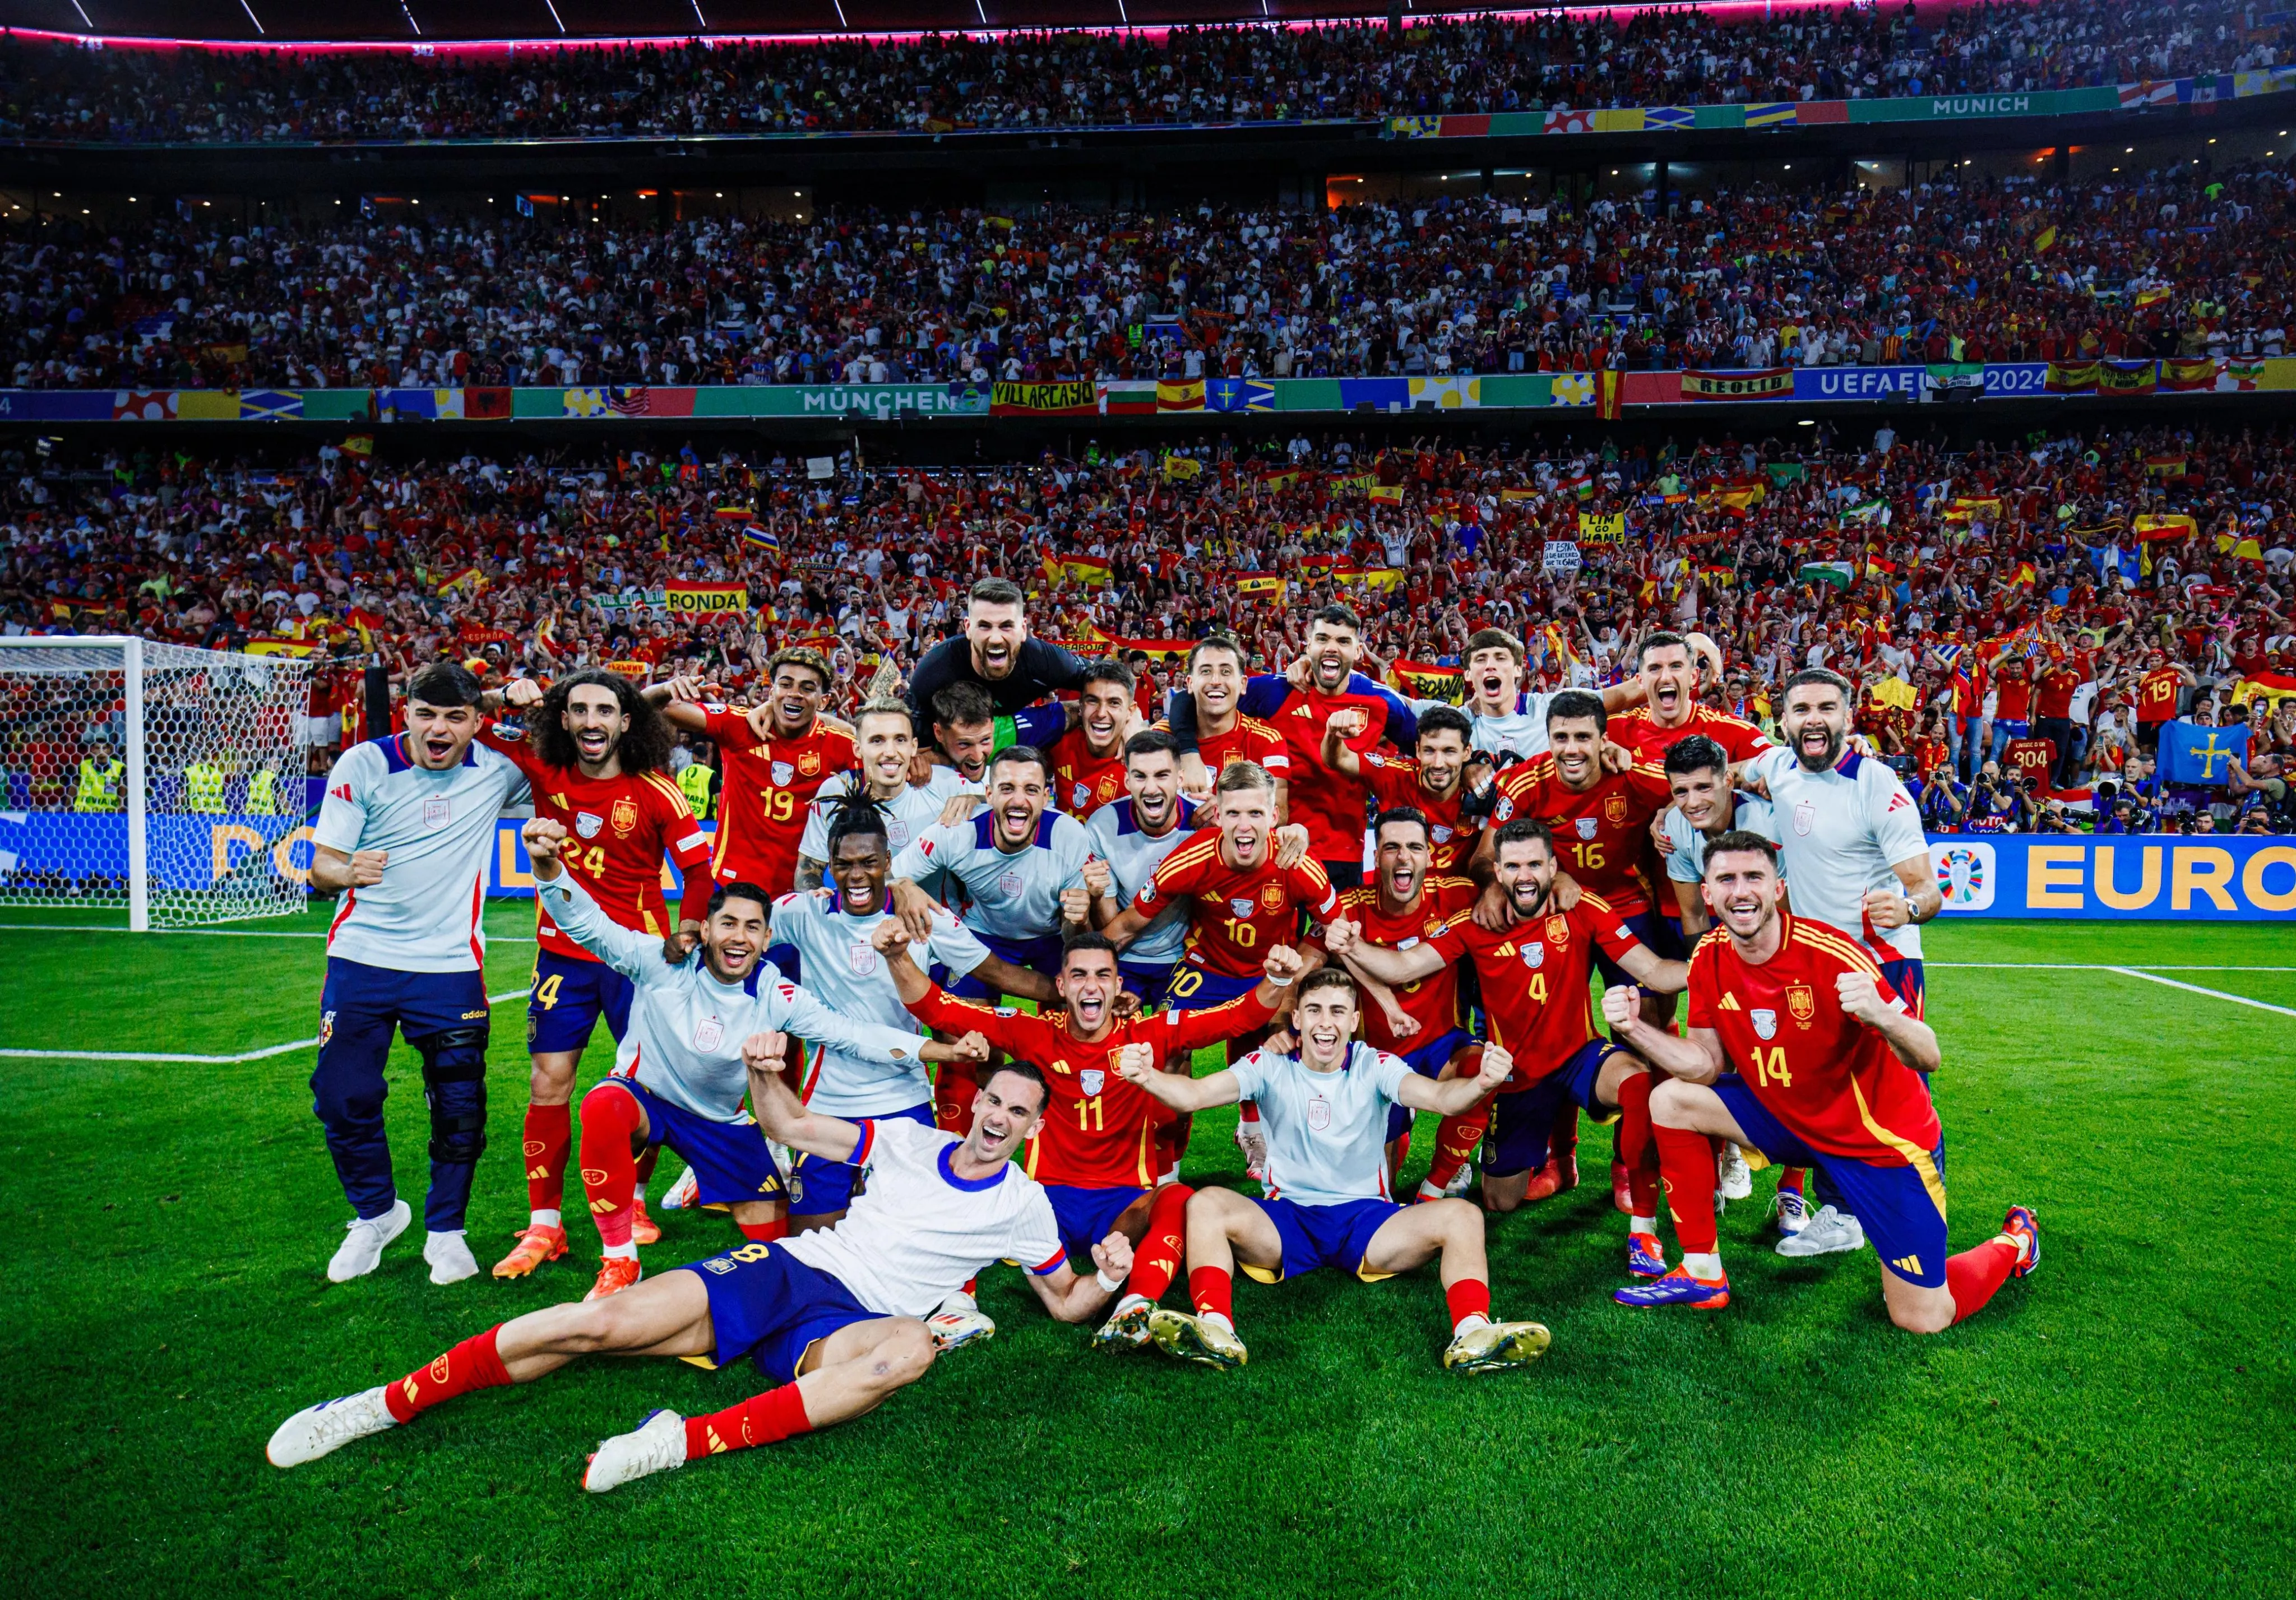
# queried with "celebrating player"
point(1506, 721)
point(995, 655)
point(1325, 1111)
point(1850, 840)
point(677, 1078)
point(1800, 1047)
point(885, 746)
point(1087, 760)
point(832, 1317)
point(1216, 680)
point(595, 759)
point(1705, 808)
point(1668, 668)
point(1096, 1152)
point(405, 834)
point(1533, 974)
point(1433, 782)
point(1133, 836)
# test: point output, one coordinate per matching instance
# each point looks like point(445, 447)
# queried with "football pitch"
point(2118, 1423)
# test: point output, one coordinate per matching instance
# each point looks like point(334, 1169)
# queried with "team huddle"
point(1378, 906)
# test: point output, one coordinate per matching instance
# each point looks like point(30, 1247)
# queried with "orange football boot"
point(643, 1228)
point(615, 1274)
point(536, 1244)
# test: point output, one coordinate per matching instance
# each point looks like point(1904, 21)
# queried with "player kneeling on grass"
point(678, 1077)
point(1328, 1205)
point(834, 1317)
point(1799, 1048)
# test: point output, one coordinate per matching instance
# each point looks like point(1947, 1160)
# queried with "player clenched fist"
point(543, 839)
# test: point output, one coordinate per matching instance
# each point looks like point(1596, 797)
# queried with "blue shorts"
point(1517, 1139)
point(566, 1000)
point(731, 1163)
point(2015, 728)
point(1323, 1236)
point(1663, 937)
point(1906, 977)
point(787, 961)
point(1152, 982)
point(1042, 954)
point(1901, 1208)
point(818, 1186)
point(771, 1307)
point(1085, 1216)
point(1193, 989)
point(1428, 1061)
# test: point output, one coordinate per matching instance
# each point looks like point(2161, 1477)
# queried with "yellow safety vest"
point(262, 793)
point(693, 781)
point(203, 784)
point(99, 786)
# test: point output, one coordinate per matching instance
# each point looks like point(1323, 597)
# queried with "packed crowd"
point(2007, 611)
point(1074, 78)
point(2177, 263)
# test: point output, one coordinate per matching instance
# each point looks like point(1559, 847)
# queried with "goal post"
point(153, 779)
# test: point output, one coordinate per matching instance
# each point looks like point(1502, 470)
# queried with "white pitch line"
point(2086, 966)
point(213, 933)
point(2237, 1000)
point(291, 1046)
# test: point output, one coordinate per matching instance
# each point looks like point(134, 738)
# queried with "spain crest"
point(624, 816)
point(1271, 895)
point(1614, 810)
point(1558, 930)
point(809, 763)
point(1802, 1002)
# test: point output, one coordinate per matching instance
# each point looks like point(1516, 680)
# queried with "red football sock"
point(955, 1085)
point(549, 1136)
point(1469, 1297)
point(609, 1171)
point(1172, 1143)
point(1164, 1247)
point(777, 1228)
point(1213, 1289)
point(1687, 1165)
point(1793, 1178)
point(1976, 1273)
point(767, 1418)
point(470, 1364)
point(1398, 1152)
point(1456, 1139)
point(1637, 1147)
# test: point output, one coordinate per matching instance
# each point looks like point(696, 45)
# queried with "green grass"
point(2117, 1424)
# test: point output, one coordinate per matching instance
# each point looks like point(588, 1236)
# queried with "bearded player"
point(833, 1318)
point(1096, 1152)
point(596, 760)
point(1328, 1204)
point(1800, 1048)
point(885, 747)
point(1431, 782)
point(1534, 976)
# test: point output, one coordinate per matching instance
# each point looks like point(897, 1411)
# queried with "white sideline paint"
point(268, 1052)
point(213, 933)
point(2237, 1000)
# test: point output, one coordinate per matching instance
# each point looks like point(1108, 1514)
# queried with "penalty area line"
point(2237, 1000)
point(165, 1058)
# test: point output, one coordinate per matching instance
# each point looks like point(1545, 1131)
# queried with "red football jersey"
point(620, 829)
point(1099, 1132)
point(1739, 738)
point(1330, 805)
point(1834, 1081)
point(1250, 740)
point(1433, 1001)
point(1603, 835)
point(2157, 693)
point(1240, 912)
point(1534, 978)
point(767, 785)
point(1395, 781)
point(1083, 782)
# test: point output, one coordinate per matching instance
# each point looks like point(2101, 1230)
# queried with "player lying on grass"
point(679, 1077)
point(1098, 1154)
point(1328, 1205)
point(834, 1318)
point(1799, 1048)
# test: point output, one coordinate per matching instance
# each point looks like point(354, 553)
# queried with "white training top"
point(439, 829)
point(917, 1232)
point(1685, 856)
point(845, 971)
point(1838, 831)
point(1326, 1132)
point(907, 814)
point(683, 1041)
point(1133, 858)
point(1012, 894)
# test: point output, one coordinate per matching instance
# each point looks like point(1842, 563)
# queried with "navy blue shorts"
point(1193, 989)
point(1428, 1061)
point(566, 1000)
point(1907, 977)
point(787, 961)
point(731, 1163)
point(771, 1307)
point(1517, 1139)
point(1323, 1236)
point(1663, 937)
point(818, 1186)
point(1152, 982)
point(1901, 1208)
point(1088, 1216)
point(1042, 954)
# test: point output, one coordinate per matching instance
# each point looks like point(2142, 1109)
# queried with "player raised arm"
point(1910, 1038)
point(641, 956)
point(1345, 724)
point(1448, 1097)
point(1136, 1064)
point(1393, 968)
point(1696, 1059)
point(780, 1116)
point(1072, 1297)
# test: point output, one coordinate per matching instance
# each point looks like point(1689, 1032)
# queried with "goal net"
point(154, 781)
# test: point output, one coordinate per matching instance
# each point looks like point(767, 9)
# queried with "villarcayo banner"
point(2165, 877)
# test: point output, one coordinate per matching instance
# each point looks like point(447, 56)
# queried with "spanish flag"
point(1388, 494)
point(2043, 240)
point(1187, 395)
point(2153, 526)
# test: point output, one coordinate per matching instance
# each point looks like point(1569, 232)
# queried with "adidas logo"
point(1729, 1003)
point(341, 791)
point(1910, 1265)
